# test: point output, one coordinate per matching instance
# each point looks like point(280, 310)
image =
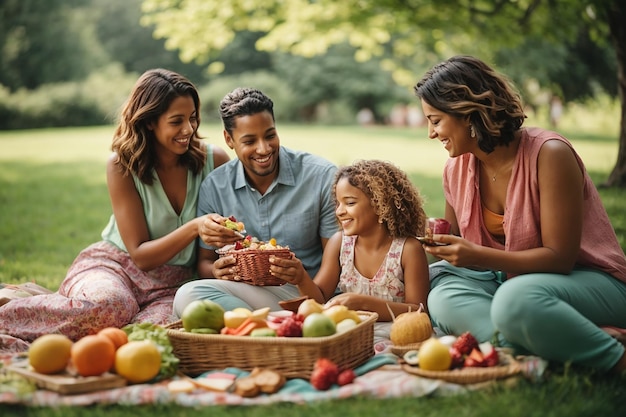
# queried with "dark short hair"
point(243, 102)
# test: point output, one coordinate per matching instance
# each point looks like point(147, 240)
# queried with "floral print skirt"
point(103, 288)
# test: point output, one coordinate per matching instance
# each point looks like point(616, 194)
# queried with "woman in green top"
point(148, 247)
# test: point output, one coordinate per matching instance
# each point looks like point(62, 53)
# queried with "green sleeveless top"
point(160, 216)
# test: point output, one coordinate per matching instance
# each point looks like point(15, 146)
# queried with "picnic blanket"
point(379, 377)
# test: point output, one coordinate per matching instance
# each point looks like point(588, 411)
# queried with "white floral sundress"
point(387, 283)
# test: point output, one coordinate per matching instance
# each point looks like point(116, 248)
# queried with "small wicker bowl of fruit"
point(252, 260)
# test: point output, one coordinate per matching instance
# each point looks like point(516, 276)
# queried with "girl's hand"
point(213, 232)
point(351, 300)
point(289, 270)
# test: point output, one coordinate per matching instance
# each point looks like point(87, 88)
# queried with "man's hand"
point(224, 267)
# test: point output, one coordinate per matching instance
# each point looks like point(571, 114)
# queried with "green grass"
point(54, 202)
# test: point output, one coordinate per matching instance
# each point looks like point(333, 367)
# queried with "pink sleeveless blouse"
point(599, 247)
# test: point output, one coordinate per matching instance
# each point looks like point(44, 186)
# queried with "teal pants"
point(554, 316)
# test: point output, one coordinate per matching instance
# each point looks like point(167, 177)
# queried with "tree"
point(117, 28)
point(45, 42)
point(408, 35)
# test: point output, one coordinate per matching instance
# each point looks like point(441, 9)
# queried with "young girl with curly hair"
point(375, 261)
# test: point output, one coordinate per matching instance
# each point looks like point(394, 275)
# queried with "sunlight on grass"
point(54, 202)
point(53, 184)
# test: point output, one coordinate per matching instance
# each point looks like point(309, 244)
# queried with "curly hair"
point(395, 199)
point(243, 102)
point(466, 87)
point(134, 142)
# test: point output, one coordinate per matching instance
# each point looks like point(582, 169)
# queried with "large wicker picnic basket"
point(253, 265)
point(294, 357)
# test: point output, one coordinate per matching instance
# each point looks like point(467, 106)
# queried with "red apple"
point(439, 226)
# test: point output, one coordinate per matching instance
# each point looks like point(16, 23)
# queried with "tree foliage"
point(35, 34)
point(408, 36)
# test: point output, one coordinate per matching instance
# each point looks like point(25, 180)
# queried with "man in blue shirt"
point(276, 192)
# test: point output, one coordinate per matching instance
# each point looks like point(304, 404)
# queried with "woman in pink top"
point(532, 254)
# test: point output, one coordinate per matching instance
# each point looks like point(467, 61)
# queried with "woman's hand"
point(289, 270)
point(213, 232)
point(458, 251)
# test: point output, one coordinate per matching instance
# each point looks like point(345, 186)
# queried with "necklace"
point(495, 173)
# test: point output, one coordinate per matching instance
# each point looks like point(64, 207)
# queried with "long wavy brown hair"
point(395, 199)
point(464, 86)
point(134, 142)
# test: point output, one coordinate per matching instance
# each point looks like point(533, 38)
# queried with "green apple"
point(203, 314)
point(318, 325)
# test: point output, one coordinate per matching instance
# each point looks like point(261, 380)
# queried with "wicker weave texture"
point(253, 265)
point(294, 357)
point(471, 375)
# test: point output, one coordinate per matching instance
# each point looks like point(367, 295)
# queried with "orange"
point(93, 355)
point(50, 353)
point(138, 361)
point(117, 336)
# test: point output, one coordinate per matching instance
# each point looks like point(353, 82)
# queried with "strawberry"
point(346, 377)
point(289, 327)
point(324, 375)
point(238, 245)
point(465, 343)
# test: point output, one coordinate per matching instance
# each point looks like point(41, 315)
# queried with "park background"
point(67, 65)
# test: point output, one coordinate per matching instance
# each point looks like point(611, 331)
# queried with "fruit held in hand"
point(203, 314)
point(434, 355)
point(410, 327)
point(50, 353)
point(438, 226)
point(233, 224)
